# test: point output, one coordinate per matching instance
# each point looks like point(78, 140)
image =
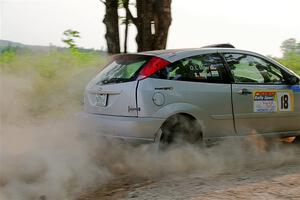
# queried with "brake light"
point(155, 64)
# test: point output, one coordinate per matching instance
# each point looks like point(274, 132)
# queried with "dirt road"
point(258, 181)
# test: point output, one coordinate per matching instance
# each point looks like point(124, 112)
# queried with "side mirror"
point(293, 80)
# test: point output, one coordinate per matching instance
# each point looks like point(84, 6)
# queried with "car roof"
point(177, 54)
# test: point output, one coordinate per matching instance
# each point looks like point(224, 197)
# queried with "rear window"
point(123, 68)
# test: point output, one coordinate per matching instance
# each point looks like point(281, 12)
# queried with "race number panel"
point(285, 101)
point(273, 101)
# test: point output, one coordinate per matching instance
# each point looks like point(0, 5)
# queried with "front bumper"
point(132, 129)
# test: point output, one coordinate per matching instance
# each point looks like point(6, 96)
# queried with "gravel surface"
point(280, 183)
point(256, 182)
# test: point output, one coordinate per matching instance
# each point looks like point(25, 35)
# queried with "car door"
point(262, 100)
point(196, 85)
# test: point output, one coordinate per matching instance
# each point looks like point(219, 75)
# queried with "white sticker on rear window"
point(215, 74)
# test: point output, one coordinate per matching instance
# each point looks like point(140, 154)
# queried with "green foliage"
point(70, 36)
point(57, 77)
point(291, 55)
point(69, 40)
point(7, 54)
point(292, 61)
point(290, 46)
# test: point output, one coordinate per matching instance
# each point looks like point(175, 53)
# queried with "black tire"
point(297, 140)
point(180, 129)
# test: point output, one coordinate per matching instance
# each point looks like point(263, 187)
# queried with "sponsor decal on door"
point(273, 101)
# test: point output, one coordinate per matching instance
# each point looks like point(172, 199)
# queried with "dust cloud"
point(56, 157)
point(41, 156)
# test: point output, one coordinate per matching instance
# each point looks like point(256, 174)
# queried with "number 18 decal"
point(285, 101)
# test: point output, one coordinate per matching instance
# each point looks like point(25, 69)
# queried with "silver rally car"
point(193, 95)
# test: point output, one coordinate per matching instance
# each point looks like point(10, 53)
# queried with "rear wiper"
point(114, 80)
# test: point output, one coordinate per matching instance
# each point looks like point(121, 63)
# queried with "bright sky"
point(257, 25)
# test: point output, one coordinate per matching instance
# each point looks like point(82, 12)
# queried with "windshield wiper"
point(114, 80)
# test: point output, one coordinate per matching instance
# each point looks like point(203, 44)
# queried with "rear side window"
point(123, 68)
point(200, 68)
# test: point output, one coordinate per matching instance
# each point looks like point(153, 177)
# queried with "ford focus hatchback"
point(193, 95)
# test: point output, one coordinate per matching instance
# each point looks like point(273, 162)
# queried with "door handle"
point(244, 91)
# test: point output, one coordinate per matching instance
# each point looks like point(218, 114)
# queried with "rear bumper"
point(131, 129)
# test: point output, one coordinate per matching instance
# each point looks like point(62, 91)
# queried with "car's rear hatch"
point(113, 90)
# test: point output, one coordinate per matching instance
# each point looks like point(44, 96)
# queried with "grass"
point(56, 78)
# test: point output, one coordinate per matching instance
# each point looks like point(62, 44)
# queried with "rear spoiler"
point(225, 45)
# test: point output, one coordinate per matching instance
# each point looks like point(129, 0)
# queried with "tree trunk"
point(149, 13)
point(111, 21)
point(157, 12)
point(126, 4)
point(145, 16)
point(162, 22)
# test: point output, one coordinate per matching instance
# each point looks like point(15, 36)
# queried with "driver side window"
point(253, 70)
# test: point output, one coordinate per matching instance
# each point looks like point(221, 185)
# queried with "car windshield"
point(123, 68)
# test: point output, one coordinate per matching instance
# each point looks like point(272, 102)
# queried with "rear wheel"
point(180, 129)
